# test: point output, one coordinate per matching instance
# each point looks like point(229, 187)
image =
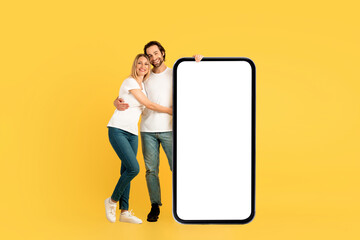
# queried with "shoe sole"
point(153, 219)
point(130, 222)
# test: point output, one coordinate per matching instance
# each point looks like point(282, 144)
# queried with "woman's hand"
point(141, 97)
point(170, 112)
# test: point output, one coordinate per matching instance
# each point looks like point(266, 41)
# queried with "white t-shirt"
point(128, 120)
point(159, 90)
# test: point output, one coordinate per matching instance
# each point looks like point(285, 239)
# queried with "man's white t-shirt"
point(128, 120)
point(159, 90)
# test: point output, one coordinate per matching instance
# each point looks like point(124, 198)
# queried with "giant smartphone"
point(214, 141)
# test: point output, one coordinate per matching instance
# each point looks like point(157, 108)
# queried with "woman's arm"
point(140, 96)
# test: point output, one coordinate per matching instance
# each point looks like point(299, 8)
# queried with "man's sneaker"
point(154, 213)
point(129, 217)
point(110, 209)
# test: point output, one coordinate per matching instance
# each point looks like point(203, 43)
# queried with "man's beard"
point(161, 60)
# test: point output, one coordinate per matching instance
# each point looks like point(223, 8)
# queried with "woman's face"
point(142, 66)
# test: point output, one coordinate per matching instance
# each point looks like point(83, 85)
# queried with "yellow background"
point(62, 63)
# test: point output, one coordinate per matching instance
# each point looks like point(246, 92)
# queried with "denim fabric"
point(125, 145)
point(151, 147)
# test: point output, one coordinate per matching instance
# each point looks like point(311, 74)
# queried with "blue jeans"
point(125, 145)
point(151, 148)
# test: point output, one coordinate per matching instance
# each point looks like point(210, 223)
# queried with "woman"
point(123, 135)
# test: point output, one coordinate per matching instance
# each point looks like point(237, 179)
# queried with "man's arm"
point(120, 104)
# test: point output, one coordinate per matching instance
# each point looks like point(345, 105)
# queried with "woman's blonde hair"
point(133, 69)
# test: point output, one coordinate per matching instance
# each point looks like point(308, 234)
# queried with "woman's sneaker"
point(110, 209)
point(129, 217)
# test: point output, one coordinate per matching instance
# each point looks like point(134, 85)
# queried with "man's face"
point(155, 55)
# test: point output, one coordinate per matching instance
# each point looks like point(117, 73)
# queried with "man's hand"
point(198, 57)
point(120, 104)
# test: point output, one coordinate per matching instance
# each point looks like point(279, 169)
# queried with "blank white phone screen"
point(213, 128)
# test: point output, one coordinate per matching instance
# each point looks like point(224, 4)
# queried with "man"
point(156, 128)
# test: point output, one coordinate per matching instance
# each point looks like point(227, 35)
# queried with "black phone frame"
point(253, 141)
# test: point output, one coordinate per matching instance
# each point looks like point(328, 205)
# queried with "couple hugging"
point(146, 92)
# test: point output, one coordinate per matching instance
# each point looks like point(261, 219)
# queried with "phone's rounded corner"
point(250, 62)
point(177, 218)
point(180, 60)
point(249, 219)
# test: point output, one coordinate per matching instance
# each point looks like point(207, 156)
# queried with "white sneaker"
point(110, 209)
point(129, 217)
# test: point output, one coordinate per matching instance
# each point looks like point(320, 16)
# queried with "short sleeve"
point(130, 84)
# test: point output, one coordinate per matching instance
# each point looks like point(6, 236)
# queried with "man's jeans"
point(151, 148)
point(125, 145)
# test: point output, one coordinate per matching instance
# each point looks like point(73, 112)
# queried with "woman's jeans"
point(125, 145)
point(151, 146)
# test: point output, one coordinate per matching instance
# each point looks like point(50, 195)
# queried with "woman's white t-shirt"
point(128, 120)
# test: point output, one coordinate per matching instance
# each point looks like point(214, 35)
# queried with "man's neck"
point(159, 69)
